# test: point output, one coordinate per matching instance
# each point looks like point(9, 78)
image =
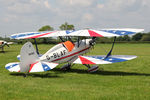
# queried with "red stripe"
point(32, 66)
point(71, 54)
point(92, 33)
point(39, 35)
point(85, 61)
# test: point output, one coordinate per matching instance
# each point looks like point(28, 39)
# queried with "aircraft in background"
point(3, 44)
point(69, 52)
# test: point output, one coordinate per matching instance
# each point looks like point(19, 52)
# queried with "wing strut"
point(78, 41)
point(69, 38)
point(109, 54)
point(61, 39)
point(37, 51)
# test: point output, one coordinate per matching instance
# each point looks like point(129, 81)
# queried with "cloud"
point(27, 7)
point(100, 6)
point(77, 2)
point(46, 3)
point(86, 18)
point(29, 15)
point(20, 8)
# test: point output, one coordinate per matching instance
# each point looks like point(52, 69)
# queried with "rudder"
point(28, 57)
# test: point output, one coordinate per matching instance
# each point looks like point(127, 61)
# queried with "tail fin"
point(28, 57)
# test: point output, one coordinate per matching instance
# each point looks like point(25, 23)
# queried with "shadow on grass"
point(43, 75)
point(80, 71)
point(6, 51)
point(103, 72)
point(3, 51)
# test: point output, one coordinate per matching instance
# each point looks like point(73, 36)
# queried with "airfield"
point(128, 80)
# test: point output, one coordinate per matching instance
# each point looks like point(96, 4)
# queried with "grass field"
point(120, 81)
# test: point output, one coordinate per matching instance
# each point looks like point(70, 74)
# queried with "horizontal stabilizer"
point(42, 66)
point(100, 59)
point(13, 67)
point(36, 67)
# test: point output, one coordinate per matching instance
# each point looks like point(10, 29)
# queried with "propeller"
point(92, 42)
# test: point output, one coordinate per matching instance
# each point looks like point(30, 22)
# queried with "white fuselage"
point(60, 54)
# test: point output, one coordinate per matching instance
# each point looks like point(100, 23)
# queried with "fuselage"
point(66, 52)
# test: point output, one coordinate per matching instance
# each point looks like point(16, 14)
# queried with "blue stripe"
point(46, 67)
point(70, 31)
point(14, 36)
point(11, 66)
point(109, 59)
point(21, 35)
point(25, 34)
point(118, 32)
point(30, 34)
point(18, 58)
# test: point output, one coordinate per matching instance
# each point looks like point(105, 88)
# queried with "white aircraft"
point(2, 44)
point(68, 51)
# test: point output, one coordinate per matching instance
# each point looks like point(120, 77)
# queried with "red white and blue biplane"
point(68, 51)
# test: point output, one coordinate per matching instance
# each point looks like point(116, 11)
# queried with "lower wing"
point(100, 59)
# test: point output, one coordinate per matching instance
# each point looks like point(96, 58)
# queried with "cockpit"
point(68, 45)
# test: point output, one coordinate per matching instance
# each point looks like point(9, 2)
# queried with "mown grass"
point(120, 81)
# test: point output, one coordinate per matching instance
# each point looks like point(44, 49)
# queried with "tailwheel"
point(92, 69)
point(66, 67)
point(25, 75)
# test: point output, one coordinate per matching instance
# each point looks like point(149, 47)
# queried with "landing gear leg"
point(94, 68)
point(87, 65)
point(66, 67)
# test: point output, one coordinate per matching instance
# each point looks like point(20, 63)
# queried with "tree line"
point(139, 37)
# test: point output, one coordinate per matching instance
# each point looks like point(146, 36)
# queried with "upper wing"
point(101, 59)
point(105, 32)
point(85, 32)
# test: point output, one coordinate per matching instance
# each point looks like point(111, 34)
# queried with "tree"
point(137, 37)
point(126, 38)
point(120, 38)
point(46, 28)
point(146, 37)
point(66, 26)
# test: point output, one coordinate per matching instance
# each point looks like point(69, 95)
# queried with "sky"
point(30, 15)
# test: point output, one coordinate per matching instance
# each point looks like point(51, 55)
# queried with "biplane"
point(68, 51)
